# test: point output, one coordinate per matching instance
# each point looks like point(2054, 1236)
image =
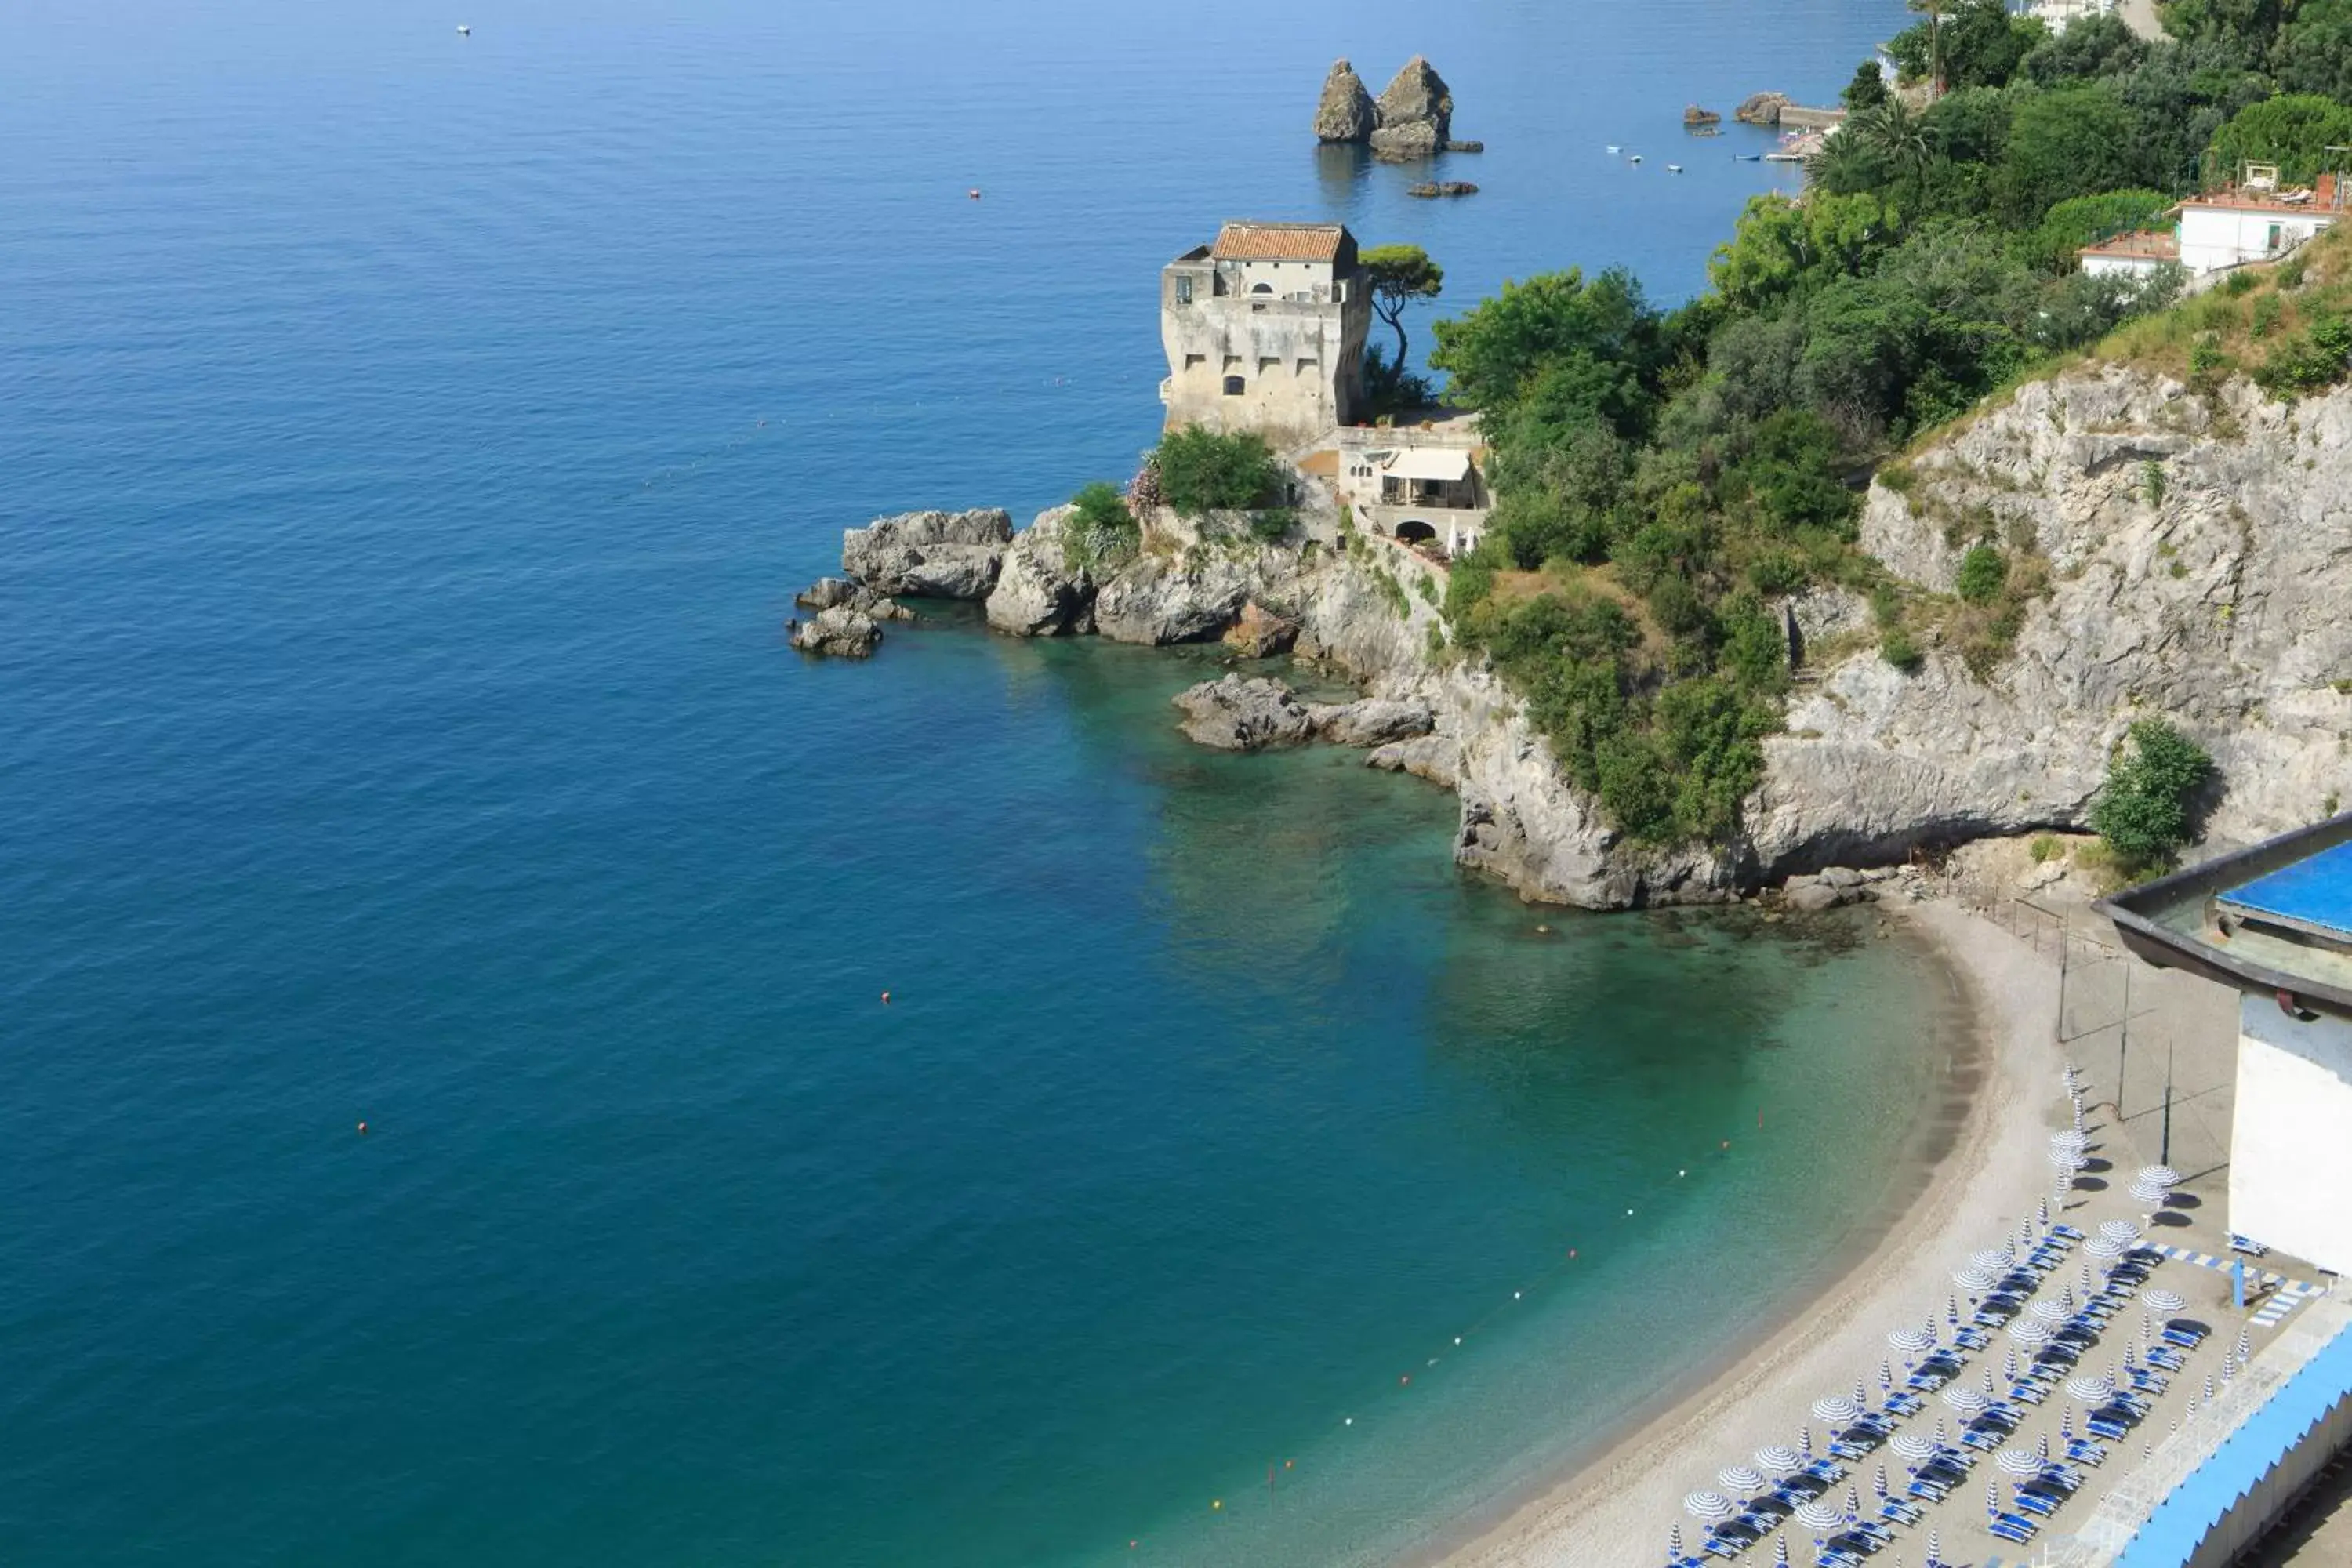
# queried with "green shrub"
point(1984, 572)
point(1103, 532)
point(2152, 483)
point(2265, 316)
point(2142, 809)
point(1201, 470)
point(2292, 271)
point(2045, 847)
point(2238, 283)
point(1272, 524)
point(1898, 648)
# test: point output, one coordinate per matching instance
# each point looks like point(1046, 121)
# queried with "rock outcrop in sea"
point(930, 554)
point(1416, 114)
point(2214, 598)
point(1345, 112)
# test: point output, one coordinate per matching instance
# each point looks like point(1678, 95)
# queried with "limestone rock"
point(841, 632)
point(1813, 897)
point(1344, 112)
point(1158, 601)
point(1432, 189)
point(1761, 109)
point(1036, 594)
point(1261, 634)
point(1373, 721)
point(1436, 758)
point(1417, 96)
point(826, 593)
point(1238, 715)
point(1406, 143)
point(933, 555)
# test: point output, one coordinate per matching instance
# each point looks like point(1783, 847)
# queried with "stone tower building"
point(1265, 331)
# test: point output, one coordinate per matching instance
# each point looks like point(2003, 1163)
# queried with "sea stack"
point(1345, 113)
point(1415, 113)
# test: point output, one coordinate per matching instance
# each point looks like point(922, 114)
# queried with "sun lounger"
point(2039, 1503)
point(1969, 1334)
point(2188, 1335)
point(2085, 1452)
point(2112, 1430)
point(2013, 1528)
point(2068, 1231)
point(2029, 1392)
point(1905, 1403)
point(1901, 1512)
point(2166, 1357)
point(1933, 1491)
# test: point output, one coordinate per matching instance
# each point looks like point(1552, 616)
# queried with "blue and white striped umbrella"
point(1776, 1460)
point(1836, 1409)
point(1739, 1477)
point(1708, 1507)
point(1820, 1517)
point(1967, 1401)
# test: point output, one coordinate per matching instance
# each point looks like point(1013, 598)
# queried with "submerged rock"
point(1433, 188)
point(930, 554)
point(839, 632)
point(1037, 594)
point(1344, 112)
point(1238, 715)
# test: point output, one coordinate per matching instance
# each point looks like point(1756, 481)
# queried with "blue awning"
point(2198, 1503)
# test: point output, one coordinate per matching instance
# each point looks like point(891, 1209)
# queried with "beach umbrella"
point(1975, 1281)
point(1805, 1441)
point(2153, 1197)
point(1708, 1507)
point(2209, 1388)
point(2019, 1462)
point(2089, 1282)
point(2066, 1297)
point(2008, 1366)
point(2042, 1214)
point(2228, 1368)
point(2245, 1345)
point(2028, 1330)
point(2053, 1312)
point(1886, 1375)
point(1740, 1478)
point(2192, 1407)
point(1935, 1551)
point(2067, 1160)
point(1836, 1409)
point(2105, 1248)
point(1911, 1342)
point(2091, 1388)
point(2120, 1230)
point(1992, 1498)
point(1991, 1259)
point(2147, 1448)
point(1951, 1309)
point(2159, 1175)
point(1819, 1516)
point(1675, 1542)
point(2042, 1447)
point(1780, 1551)
point(1776, 1460)
point(2066, 1425)
point(1861, 1394)
point(2161, 1300)
point(1943, 1435)
point(1986, 1381)
point(1911, 1446)
point(1880, 1481)
point(1853, 1502)
point(1967, 1401)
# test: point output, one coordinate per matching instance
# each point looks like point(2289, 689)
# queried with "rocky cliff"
point(2198, 567)
point(2199, 561)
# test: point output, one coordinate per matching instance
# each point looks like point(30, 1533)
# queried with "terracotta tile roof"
point(2158, 245)
point(1278, 242)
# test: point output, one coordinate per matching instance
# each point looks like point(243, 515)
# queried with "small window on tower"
point(1194, 361)
point(1234, 386)
point(1183, 291)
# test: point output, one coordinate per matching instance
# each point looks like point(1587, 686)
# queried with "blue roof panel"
point(2314, 892)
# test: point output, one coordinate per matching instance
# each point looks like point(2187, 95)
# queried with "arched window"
point(1268, 288)
point(1415, 531)
point(1235, 386)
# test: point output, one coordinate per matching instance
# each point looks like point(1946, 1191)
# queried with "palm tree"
point(1897, 134)
point(1933, 8)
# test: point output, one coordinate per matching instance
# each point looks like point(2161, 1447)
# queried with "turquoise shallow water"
point(407, 448)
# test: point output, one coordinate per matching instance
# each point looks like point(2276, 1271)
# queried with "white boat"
point(1614, 149)
point(464, 30)
point(1633, 158)
point(1673, 168)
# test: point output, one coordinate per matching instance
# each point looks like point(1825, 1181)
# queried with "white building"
point(2254, 220)
point(1265, 331)
point(2275, 922)
point(1418, 484)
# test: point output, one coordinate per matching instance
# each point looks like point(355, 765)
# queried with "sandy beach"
point(1615, 1510)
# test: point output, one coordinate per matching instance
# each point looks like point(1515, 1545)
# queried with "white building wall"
point(2291, 1143)
point(2129, 265)
point(2214, 237)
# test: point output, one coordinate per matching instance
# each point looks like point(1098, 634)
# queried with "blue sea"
point(409, 444)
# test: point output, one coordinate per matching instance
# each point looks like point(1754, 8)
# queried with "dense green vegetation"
point(1203, 471)
point(1398, 276)
point(2143, 808)
point(1661, 476)
point(1102, 531)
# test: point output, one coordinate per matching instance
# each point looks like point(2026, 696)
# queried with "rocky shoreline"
point(2214, 598)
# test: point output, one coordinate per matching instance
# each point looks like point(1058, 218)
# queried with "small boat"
point(1614, 149)
point(1749, 157)
point(1633, 158)
point(1673, 168)
point(464, 31)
